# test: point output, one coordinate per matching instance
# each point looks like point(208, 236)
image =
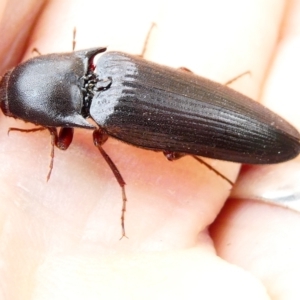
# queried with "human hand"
point(60, 239)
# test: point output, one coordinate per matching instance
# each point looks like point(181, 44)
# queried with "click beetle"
point(146, 105)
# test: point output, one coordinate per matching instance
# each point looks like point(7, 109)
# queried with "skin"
point(187, 238)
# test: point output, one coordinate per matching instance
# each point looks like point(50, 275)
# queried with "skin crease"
point(60, 240)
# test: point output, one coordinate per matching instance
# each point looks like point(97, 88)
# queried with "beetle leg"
point(147, 39)
point(184, 69)
point(100, 137)
point(212, 169)
point(237, 77)
point(170, 155)
point(61, 141)
point(174, 156)
point(226, 83)
point(35, 50)
point(25, 130)
point(54, 139)
point(64, 138)
point(74, 39)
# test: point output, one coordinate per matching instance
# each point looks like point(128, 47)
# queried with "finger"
point(15, 28)
point(164, 204)
point(270, 231)
point(79, 210)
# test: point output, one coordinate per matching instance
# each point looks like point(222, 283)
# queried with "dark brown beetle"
point(146, 105)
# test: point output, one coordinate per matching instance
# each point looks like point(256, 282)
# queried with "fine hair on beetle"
point(143, 104)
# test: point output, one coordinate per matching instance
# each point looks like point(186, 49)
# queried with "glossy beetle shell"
point(147, 105)
point(47, 90)
point(160, 108)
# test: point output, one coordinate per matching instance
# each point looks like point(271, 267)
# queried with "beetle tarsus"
point(123, 212)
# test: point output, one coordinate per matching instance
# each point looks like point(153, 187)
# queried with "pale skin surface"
point(60, 240)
